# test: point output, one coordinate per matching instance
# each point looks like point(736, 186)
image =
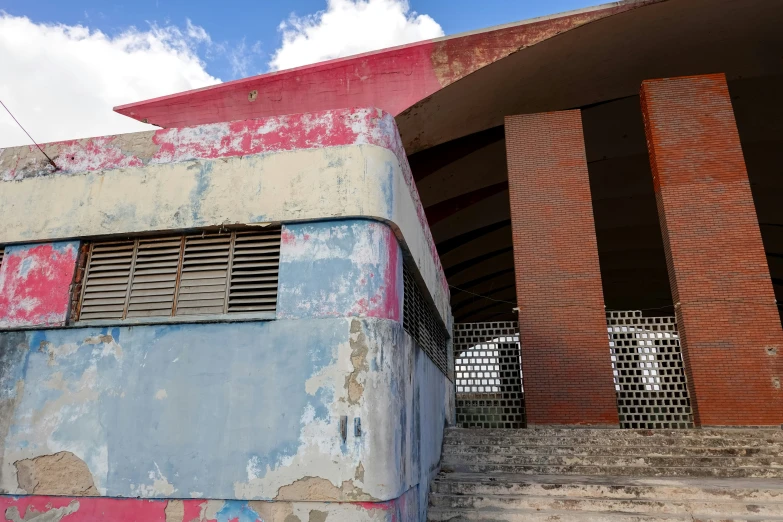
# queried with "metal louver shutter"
point(154, 277)
point(254, 269)
point(106, 281)
point(202, 288)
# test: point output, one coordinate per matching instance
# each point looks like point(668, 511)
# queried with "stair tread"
point(605, 515)
point(641, 500)
point(536, 446)
point(616, 480)
point(640, 456)
point(613, 475)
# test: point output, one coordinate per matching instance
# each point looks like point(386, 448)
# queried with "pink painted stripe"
point(211, 141)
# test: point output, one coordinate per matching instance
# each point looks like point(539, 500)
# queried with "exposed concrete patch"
point(359, 351)
point(138, 144)
point(359, 475)
point(320, 489)
point(161, 487)
point(52, 515)
point(98, 339)
point(60, 474)
point(161, 394)
point(274, 511)
point(210, 509)
point(175, 511)
point(318, 516)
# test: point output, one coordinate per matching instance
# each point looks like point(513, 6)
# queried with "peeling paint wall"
point(75, 509)
point(35, 284)
point(340, 268)
point(344, 163)
point(256, 404)
point(157, 422)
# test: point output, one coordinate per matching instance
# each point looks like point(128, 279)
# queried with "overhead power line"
point(28, 135)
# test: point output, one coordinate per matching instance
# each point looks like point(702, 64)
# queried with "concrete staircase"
point(612, 475)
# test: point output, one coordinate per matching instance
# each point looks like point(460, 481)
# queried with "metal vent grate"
point(204, 279)
point(154, 278)
point(420, 322)
point(488, 375)
point(105, 289)
point(649, 375)
point(256, 260)
point(2, 254)
point(183, 275)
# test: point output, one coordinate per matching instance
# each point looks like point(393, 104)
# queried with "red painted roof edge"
point(121, 109)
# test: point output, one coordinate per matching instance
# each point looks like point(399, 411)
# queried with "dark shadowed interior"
point(456, 146)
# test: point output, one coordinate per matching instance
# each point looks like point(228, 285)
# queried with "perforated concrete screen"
point(488, 375)
point(649, 376)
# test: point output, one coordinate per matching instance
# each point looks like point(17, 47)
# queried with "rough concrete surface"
point(60, 474)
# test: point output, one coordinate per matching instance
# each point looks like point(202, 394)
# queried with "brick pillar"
point(566, 365)
point(730, 330)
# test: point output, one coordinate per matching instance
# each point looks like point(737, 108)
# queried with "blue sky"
point(230, 23)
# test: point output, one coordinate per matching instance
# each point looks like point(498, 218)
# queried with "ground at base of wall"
point(101, 509)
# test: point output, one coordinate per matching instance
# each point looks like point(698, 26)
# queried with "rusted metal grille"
point(183, 275)
point(488, 375)
point(649, 376)
point(421, 323)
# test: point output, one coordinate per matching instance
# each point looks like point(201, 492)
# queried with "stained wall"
point(223, 420)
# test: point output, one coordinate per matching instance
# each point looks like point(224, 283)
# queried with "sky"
point(64, 64)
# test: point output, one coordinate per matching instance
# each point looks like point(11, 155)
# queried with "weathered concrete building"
point(271, 308)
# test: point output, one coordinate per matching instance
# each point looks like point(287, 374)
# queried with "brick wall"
point(566, 366)
point(731, 335)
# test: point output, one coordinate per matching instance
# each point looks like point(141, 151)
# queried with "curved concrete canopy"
point(604, 60)
point(391, 79)
point(456, 148)
point(450, 97)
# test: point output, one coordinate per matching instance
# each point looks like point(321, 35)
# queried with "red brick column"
point(566, 365)
point(730, 330)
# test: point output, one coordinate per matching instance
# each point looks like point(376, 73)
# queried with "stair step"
point(523, 515)
point(761, 433)
point(605, 504)
point(636, 471)
point(587, 474)
point(774, 463)
point(576, 486)
point(580, 440)
point(595, 449)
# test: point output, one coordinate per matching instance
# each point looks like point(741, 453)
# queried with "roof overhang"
point(392, 79)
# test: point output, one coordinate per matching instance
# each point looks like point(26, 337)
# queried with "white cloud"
point(349, 27)
point(61, 81)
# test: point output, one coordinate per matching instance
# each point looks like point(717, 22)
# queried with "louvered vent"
point(2, 253)
point(154, 277)
point(202, 288)
point(420, 321)
point(204, 274)
point(254, 271)
point(105, 289)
